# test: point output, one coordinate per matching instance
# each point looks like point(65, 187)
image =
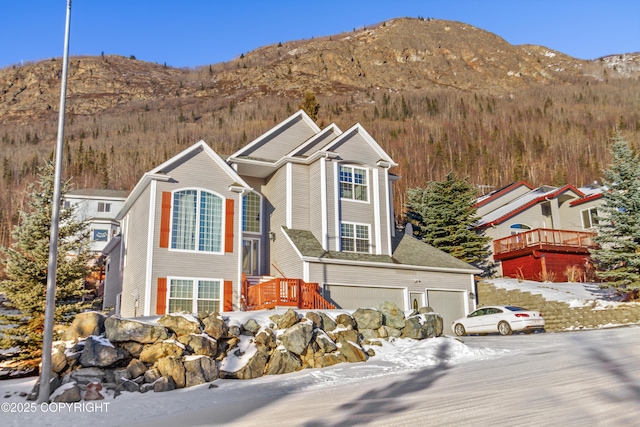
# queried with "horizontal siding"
point(300, 199)
point(353, 297)
point(134, 272)
point(355, 148)
point(411, 280)
point(282, 142)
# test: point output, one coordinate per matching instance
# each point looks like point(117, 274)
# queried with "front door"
point(251, 256)
point(416, 300)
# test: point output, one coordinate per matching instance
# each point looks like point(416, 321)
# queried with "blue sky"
point(189, 33)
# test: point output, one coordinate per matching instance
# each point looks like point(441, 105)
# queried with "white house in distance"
point(301, 217)
point(99, 208)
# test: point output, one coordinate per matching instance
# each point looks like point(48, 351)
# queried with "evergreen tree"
point(443, 215)
point(26, 263)
point(618, 258)
point(310, 105)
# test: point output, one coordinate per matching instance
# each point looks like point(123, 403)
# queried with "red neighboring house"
point(542, 233)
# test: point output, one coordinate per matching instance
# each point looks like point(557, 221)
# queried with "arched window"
point(519, 228)
point(251, 208)
point(196, 221)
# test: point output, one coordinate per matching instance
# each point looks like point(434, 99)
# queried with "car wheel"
point(528, 331)
point(459, 330)
point(504, 328)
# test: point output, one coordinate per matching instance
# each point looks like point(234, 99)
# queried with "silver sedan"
point(502, 319)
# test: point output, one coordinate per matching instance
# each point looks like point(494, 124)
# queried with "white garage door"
point(353, 297)
point(449, 304)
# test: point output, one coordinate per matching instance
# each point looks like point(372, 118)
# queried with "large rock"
point(413, 329)
point(181, 324)
point(328, 324)
point(325, 360)
point(286, 320)
point(389, 332)
point(215, 326)
point(199, 370)
point(164, 384)
point(119, 330)
point(367, 318)
point(131, 347)
point(200, 344)
point(347, 335)
point(58, 358)
point(254, 367)
point(251, 326)
point(152, 375)
point(136, 368)
point(325, 344)
point(352, 352)
point(316, 319)
point(267, 338)
point(283, 362)
point(100, 352)
point(67, 393)
point(84, 325)
point(172, 367)
point(297, 337)
point(392, 314)
point(345, 321)
point(92, 392)
point(87, 375)
point(154, 352)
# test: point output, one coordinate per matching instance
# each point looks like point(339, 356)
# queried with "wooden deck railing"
point(544, 236)
point(281, 292)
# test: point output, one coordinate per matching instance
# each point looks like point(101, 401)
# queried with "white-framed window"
point(251, 210)
point(354, 183)
point(355, 237)
point(196, 221)
point(194, 295)
point(589, 217)
point(104, 207)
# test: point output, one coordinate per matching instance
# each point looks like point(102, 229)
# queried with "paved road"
point(588, 378)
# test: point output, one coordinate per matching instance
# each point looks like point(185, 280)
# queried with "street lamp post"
point(45, 373)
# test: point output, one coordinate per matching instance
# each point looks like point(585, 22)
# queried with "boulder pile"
point(182, 350)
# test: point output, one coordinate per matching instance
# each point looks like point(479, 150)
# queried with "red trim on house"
point(161, 296)
point(532, 203)
point(165, 219)
point(499, 193)
point(586, 199)
point(228, 295)
point(228, 227)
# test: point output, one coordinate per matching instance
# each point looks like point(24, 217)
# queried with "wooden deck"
point(283, 292)
point(544, 238)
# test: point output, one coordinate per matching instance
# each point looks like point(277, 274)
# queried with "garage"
point(353, 297)
point(449, 304)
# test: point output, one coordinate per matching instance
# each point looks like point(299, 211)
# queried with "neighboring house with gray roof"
point(298, 205)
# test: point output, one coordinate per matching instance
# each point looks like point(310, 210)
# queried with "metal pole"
point(45, 373)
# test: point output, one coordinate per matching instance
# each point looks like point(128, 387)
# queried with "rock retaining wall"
point(559, 316)
point(181, 350)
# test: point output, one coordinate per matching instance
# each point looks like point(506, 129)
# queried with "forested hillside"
point(439, 96)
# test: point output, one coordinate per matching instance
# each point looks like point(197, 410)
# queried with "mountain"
point(437, 95)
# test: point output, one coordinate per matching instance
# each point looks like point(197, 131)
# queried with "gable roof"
point(357, 128)
point(410, 253)
point(496, 194)
point(97, 193)
point(524, 202)
point(254, 149)
point(159, 173)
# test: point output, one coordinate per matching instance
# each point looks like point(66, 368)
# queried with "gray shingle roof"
point(407, 251)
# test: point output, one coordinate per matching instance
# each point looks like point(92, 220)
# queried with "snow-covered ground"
point(439, 381)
